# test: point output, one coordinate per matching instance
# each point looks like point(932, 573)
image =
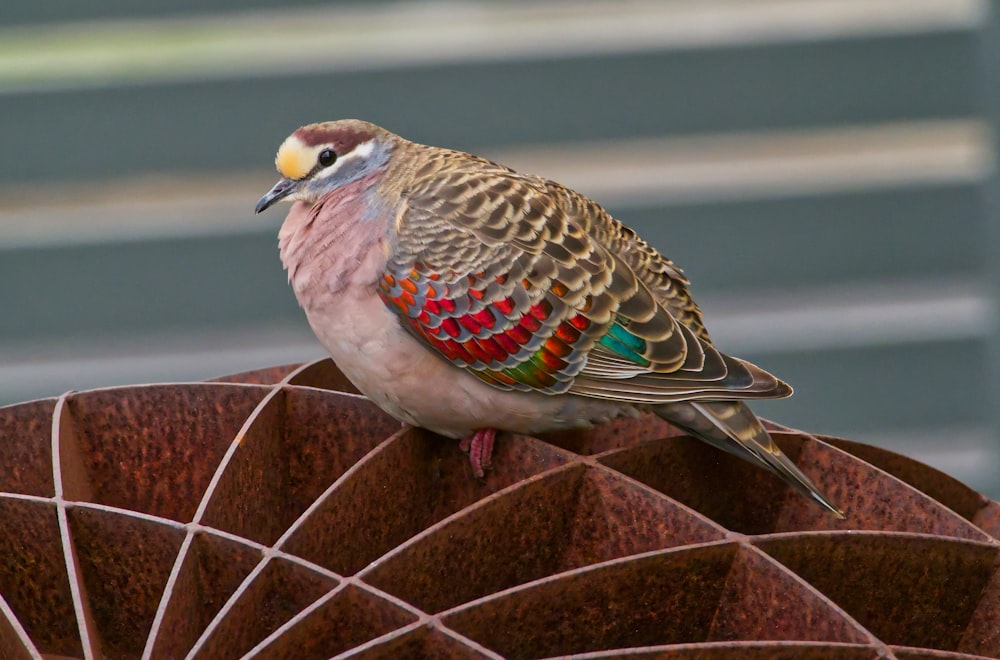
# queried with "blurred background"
point(822, 169)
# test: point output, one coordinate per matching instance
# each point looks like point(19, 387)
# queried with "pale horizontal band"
point(385, 36)
point(619, 174)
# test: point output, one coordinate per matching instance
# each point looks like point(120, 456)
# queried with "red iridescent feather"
point(490, 336)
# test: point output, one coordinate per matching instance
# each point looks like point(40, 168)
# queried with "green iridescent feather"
point(623, 343)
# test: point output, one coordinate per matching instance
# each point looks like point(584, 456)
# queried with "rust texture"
point(26, 448)
point(277, 513)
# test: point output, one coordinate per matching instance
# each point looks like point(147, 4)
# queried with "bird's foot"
point(480, 448)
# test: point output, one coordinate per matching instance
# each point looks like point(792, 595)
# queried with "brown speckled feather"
point(635, 334)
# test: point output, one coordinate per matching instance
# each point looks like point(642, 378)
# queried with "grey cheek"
point(352, 171)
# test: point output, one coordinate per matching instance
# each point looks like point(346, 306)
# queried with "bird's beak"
point(281, 190)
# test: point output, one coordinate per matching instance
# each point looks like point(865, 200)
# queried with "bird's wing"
point(533, 287)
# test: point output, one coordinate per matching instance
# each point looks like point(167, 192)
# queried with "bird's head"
point(318, 158)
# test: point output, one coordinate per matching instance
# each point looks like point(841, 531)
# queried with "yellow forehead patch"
point(295, 159)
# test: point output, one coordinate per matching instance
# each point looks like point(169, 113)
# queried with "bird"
point(467, 298)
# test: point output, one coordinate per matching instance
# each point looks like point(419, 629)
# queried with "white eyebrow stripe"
point(363, 150)
point(360, 152)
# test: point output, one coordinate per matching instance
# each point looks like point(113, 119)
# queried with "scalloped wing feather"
point(534, 287)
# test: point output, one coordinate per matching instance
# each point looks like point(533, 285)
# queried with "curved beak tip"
point(278, 192)
point(262, 204)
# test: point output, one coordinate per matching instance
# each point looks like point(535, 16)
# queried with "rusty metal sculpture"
point(251, 517)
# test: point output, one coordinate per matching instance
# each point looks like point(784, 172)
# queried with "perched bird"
point(464, 297)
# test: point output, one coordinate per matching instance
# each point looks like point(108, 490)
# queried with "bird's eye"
point(327, 158)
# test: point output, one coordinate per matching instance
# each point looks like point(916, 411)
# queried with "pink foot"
point(480, 448)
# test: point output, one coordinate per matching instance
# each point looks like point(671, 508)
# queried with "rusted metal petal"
point(406, 485)
point(910, 653)
point(33, 577)
point(211, 569)
point(13, 639)
point(323, 374)
point(942, 487)
point(722, 487)
point(422, 642)
point(272, 596)
point(292, 444)
point(988, 519)
point(669, 597)
point(982, 633)
point(152, 448)
point(123, 563)
point(617, 434)
point(566, 519)
point(277, 513)
point(742, 651)
point(340, 621)
point(907, 589)
point(26, 448)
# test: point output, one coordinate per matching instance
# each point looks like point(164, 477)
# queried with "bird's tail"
point(732, 427)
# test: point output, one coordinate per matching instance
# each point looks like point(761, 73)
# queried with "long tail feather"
point(732, 427)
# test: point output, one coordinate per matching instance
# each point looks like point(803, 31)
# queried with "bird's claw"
point(479, 446)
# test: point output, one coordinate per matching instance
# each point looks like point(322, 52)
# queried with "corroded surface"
point(278, 514)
